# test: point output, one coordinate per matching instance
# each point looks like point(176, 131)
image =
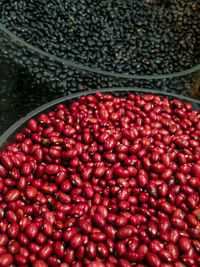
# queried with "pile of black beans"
point(126, 36)
point(142, 37)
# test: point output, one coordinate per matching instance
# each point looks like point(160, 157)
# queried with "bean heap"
point(107, 181)
point(124, 36)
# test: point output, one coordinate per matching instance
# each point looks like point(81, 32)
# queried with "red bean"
point(76, 241)
point(196, 170)
point(133, 245)
point(196, 245)
point(46, 251)
point(91, 250)
point(102, 250)
point(59, 249)
point(13, 247)
point(7, 161)
point(95, 264)
point(121, 221)
point(32, 230)
point(13, 230)
point(80, 252)
point(120, 249)
point(178, 223)
point(122, 172)
point(156, 246)
point(165, 255)
point(153, 259)
point(69, 233)
point(158, 167)
point(192, 201)
point(26, 169)
point(98, 237)
point(110, 231)
point(6, 259)
point(184, 244)
point(98, 220)
point(142, 180)
point(47, 228)
point(3, 250)
point(19, 259)
point(191, 220)
point(31, 192)
point(32, 125)
point(12, 195)
point(172, 248)
point(40, 263)
point(179, 264)
point(124, 263)
point(125, 232)
point(3, 239)
point(164, 225)
point(152, 229)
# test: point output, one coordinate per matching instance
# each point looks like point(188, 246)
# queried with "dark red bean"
point(120, 249)
point(124, 263)
point(95, 264)
point(110, 231)
point(69, 233)
point(99, 221)
point(173, 249)
point(164, 225)
point(178, 223)
point(121, 221)
point(166, 207)
point(152, 229)
point(165, 255)
point(153, 259)
point(13, 247)
point(59, 249)
point(33, 125)
point(196, 170)
point(12, 195)
point(26, 169)
point(6, 259)
point(80, 253)
point(47, 228)
point(45, 252)
point(32, 230)
point(125, 232)
point(13, 230)
point(76, 241)
point(156, 246)
point(102, 250)
point(184, 244)
point(40, 263)
point(142, 180)
point(91, 250)
point(3, 239)
point(98, 237)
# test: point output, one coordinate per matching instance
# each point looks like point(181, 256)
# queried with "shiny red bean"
point(40, 263)
point(32, 230)
point(12, 195)
point(6, 259)
point(184, 244)
point(153, 259)
point(91, 250)
point(13, 230)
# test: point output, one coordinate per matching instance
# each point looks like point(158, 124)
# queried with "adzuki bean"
point(104, 182)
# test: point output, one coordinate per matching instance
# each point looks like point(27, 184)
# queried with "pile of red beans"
point(107, 181)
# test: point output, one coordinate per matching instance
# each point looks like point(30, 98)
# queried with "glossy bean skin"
point(6, 259)
point(106, 181)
